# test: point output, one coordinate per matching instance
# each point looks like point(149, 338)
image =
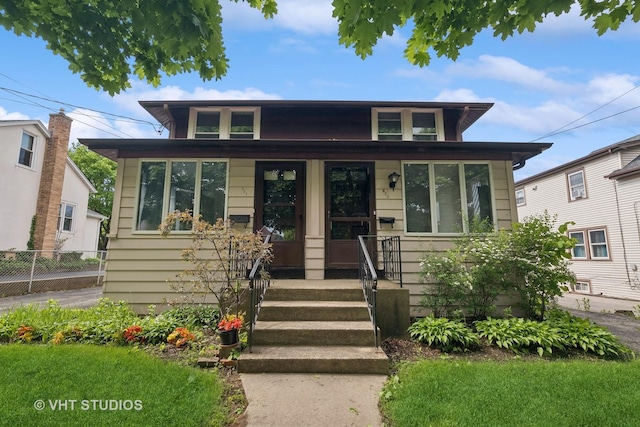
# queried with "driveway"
point(78, 298)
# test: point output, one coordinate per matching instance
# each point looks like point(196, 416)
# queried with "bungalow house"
point(38, 180)
point(315, 175)
point(599, 193)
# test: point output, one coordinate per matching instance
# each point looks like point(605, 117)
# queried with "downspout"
point(171, 125)
point(519, 165)
point(624, 247)
point(463, 116)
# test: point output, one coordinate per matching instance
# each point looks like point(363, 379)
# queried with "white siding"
point(19, 185)
point(598, 210)
point(75, 192)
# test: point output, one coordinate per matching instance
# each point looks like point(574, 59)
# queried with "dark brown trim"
point(314, 149)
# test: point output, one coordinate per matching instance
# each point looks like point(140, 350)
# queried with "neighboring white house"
point(600, 193)
point(38, 178)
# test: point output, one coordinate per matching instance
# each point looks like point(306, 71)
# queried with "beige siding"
point(141, 264)
point(599, 210)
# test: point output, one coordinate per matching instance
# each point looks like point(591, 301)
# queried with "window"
point(198, 186)
point(225, 123)
point(520, 200)
point(577, 188)
point(598, 244)
point(26, 150)
point(590, 244)
point(407, 125)
point(446, 197)
point(579, 250)
point(582, 286)
point(65, 217)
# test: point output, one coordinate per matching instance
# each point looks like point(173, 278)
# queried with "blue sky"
point(540, 82)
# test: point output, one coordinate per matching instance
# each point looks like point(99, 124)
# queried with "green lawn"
point(112, 386)
point(515, 393)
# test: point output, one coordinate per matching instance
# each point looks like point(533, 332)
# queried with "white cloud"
point(508, 70)
point(5, 115)
point(140, 91)
point(288, 44)
point(301, 16)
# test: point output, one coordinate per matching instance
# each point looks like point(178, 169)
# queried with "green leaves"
point(447, 335)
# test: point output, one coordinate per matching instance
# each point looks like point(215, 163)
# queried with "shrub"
point(520, 335)
point(198, 315)
point(582, 334)
point(447, 335)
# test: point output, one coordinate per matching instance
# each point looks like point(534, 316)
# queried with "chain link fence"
point(25, 272)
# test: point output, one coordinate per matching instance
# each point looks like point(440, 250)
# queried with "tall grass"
point(515, 393)
point(167, 394)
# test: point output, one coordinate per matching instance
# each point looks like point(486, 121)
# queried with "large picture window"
point(225, 123)
point(197, 186)
point(407, 125)
point(446, 197)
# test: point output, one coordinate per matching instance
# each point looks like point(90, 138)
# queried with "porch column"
point(314, 233)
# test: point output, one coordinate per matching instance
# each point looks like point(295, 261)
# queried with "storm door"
point(350, 211)
point(279, 210)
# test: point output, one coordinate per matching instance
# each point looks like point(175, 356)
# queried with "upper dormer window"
point(224, 123)
point(407, 125)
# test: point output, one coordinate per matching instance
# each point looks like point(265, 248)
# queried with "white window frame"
point(432, 196)
point(592, 244)
point(406, 121)
point(524, 199)
point(225, 120)
point(580, 284)
point(62, 216)
point(34, 140)
point(166, 195)
point(583, 193)
point(584, 244)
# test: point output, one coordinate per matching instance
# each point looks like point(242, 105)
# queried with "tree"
point(447, 26)
point(101, 172)
point(108, 41)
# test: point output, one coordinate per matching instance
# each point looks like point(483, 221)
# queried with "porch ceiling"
point(314, 149)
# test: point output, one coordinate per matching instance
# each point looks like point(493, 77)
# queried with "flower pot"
point(229, 337)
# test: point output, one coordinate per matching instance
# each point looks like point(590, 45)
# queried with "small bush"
point(520, 335)
point(447, 335)
point(581, 334)
point(199, 315)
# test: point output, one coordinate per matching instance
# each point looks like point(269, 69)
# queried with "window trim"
point(167, 189)
point(568, 176)
point(588, 246)
point(580, 291)
point(584, 244)
point(606, 243)
point(524, 197)
point(33, 150)
point(62, 216)
point(225, 120)
point(406, 122)
point(432, 196)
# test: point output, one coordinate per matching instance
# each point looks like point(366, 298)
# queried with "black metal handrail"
point(259, 281)
point(239, 261)
point(369, 281)
point(391, 258)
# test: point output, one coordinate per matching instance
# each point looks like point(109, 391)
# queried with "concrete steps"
point(314, 327)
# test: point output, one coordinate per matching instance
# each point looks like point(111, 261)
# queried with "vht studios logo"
point(88, 405)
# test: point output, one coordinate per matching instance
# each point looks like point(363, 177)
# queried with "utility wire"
point(558, 131)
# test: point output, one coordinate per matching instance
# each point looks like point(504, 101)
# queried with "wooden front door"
point(279, 210)
point(349, 200)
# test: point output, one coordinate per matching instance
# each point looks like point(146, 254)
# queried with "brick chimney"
point(50, 193)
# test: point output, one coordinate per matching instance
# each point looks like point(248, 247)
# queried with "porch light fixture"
point(393, 180)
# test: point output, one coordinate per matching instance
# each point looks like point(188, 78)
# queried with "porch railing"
point(240, 262)
point(386, 255)
point(259, 281)
point(369, 281)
